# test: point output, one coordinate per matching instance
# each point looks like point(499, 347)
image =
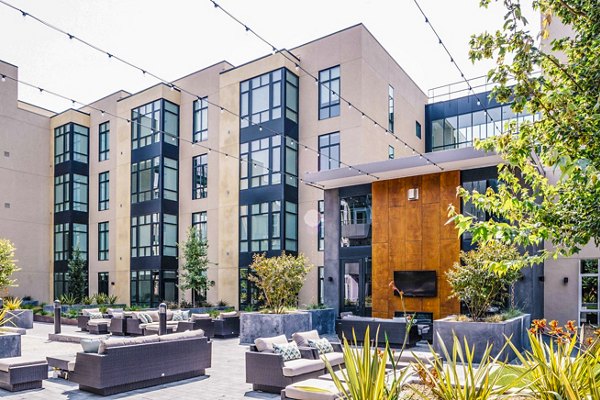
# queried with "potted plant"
point(19, 317)
point(279, 280)
point(322, 318)
point(482, 289)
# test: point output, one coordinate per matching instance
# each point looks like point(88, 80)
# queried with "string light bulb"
point(3, 78)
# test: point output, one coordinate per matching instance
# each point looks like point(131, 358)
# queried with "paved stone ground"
point(225, 380)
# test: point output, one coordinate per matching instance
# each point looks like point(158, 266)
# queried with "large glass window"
point(589, 305)
point(169, 235)
point(469, 209)
point(390, 108)
point(200, 222)
point(321, 286)
point(329, 93)
point(62, 193)
point(291, 96)
point(200, 120)
point(152, 119)
point(170, 179)
point(145, 178)
point(61, 242)
point(261, 162)
point(145, 287)
point(103, 241)
point(71, 143)
point(80, 236)
point(291, 226)
point(321, 228)
point(80, 143)
point(103, 191)
point(80, 192)
point(356, 220)
point(261, 98)
point(291, 162)
point(260, 227)
point(62, 144)
point(61, 284)
point(418, 129)
point(104, 141)
point(145, 235)
point(391, 152)
point(329, 151)
point(200, 176)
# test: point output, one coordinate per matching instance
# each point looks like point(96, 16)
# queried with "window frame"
point(325, 88)
point(200, 223)
point(332, 163)
point(581, 275)
point(103, 188)
point(200, 109)
point(418, 130)
point(103, 241)
point(321, 226)
point(104, 141)
point(200, 176)
point(250, 87)
point(391, 106)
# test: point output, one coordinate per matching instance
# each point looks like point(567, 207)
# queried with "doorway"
point(355, 286)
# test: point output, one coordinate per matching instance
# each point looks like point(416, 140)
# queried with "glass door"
point(589, 310)
point(355, 286)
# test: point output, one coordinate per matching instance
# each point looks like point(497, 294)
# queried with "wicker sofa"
point(124, 364)
point(394, 330)
point(268, 372)
point(227, 325)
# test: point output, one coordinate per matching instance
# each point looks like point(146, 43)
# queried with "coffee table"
point(62, 364)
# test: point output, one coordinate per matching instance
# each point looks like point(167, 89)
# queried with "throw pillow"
point(177, 316)
point(186, 315)
point(302, 338)
point(288, 351)
point(322, 345)
point(95, 315)
point(90, 345)
point(145, 318)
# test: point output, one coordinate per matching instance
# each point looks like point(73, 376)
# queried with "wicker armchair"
point(207, 325)
point(227, 327)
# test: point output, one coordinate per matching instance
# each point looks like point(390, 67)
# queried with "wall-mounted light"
point(565, 280)
point(330, 278)
point(413, 194)
point(541, 278)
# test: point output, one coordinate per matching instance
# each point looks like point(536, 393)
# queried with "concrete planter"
point(323, 320)
point(49, 319)
point(254, 325)
point(20, 318)
point(10, 344)
point(480, 334)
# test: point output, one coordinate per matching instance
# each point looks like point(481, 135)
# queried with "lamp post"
point(56, 316)
point(162, 319)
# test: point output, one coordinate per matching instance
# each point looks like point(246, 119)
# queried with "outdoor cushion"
point(95, 315)
point(322, 345)
point(288, 351)
point(301, 366)
point(108, 343)
point(301, 338)
point(153, 315)
point(11, 362)
point(87, 311)
point(297, 390)
point(143, 339)
point(98, 321)
point(199, 316)
point(266, 344)
point(144, 317)
point(71, 366)
point(112, 311)
point(181, 336)
point(177, 316)
point(228, 314)
point(334, 358)
point(117, 314)
point(90, 345)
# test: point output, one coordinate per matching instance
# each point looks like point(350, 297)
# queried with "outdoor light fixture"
point(565, 280)
point(162, 319)
point(413, 194)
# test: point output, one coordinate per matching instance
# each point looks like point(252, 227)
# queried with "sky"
point(177, 37)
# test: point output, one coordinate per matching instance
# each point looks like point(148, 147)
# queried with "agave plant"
point(12, 303)
point(68, 299)
point(460, 379)
point(112, 299)
point(3, 317)
point(101, 298)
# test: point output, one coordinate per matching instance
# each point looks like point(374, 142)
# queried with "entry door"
point(103, 282)
point(355, 286)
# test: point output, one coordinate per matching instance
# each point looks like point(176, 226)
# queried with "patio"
point(225, 380)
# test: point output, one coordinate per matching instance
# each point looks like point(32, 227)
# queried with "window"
point(103, 191)
point(329, 151)
point(169, 235)
point(103, 282)
point(200, 222)
point(145, 235)
point(200, 177)
point(418, 129)
point(80, 236)
point(291, 96)
point(291, 226)
point(329, 93)
point(249, 293)
point(200, 120)
point(145, 287)
point(62, 193)
point(104, 141)
point(80, 143)
point(291, 162)
point(260, 227)
point(145, 177)
point(321, 228)
point(355, 219)
point(390, 108)
point(150, 120)
point(321, 286)
point(589, 305)
point(391, 152)
point(261, 99)
point(61, 242)
point(103, 241)
point(62, 144)
point(61, 284)
point(71, 143)
point(170, 179)
point(80, 193)
point(261, 164)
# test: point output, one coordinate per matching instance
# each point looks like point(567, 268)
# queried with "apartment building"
point(127, 175)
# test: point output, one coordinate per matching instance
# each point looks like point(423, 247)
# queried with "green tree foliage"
point(475, 282)
point(77, 276)
point(8, 265)
point(279, 279)
point(551, 185)
point(195, 267)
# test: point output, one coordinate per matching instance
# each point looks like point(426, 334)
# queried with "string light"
point(3, 78)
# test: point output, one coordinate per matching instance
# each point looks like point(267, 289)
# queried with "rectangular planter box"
point(323, 320)
point(480, 334)
point(254, 325)
point(49, 319)
point(20, 319)
point(10, 345)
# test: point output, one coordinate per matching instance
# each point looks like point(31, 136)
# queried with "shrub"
point(222, 303)
point(87, 300)
point(68, 299)
point(8, 265)
point(279, 279)
point(101, 298)
point(12, 303)
point(194, 270)
point(112, 299)
point(77, 276)
point(475, 282)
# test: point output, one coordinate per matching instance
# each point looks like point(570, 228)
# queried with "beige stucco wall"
point(25, 194)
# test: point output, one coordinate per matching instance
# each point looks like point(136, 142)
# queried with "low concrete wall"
point(482, 334)
point(323, 320)
point(10, 345)
point(20, 318)
point(254, 325)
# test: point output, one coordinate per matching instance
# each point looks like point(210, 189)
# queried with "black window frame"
point(321, 226)
point(63, 182)
point(274, 80)
point(332, 163)
point(104, 141)
point(103, 191)
point(103, 241)
point(157, 110)
point(154, 165)
point(391, 152)
point(200, 176)
point(391, 106)
point(274, 239)
point(332, 107)
point(200, 117)
point(200, 223)
point(154, 247)
point(418, 130)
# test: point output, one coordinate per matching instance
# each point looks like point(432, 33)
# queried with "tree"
point(550, 187)
point(8, 265)
point(78, 280)
point(279, 279)
point(195, 267)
